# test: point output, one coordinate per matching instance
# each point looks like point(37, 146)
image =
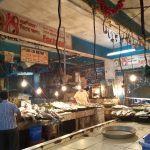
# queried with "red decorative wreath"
point(107, 11)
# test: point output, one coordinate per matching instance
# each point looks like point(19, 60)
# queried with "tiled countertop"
point(96, 141)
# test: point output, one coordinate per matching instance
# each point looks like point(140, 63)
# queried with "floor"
point(96, 141)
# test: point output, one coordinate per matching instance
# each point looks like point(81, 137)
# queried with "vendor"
point(81, 96)
point(8, 124)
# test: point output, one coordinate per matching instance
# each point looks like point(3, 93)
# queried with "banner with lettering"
point(15, 24)
point(34, 56)
point(129, 62)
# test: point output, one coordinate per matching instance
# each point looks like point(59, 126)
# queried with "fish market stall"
point(57, 119)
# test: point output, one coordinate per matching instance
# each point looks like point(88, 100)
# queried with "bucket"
point(145, 142)
point(35, 133)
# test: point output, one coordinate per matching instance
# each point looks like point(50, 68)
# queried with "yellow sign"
point(34, 56)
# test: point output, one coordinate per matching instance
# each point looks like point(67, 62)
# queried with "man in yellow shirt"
point(82, 97)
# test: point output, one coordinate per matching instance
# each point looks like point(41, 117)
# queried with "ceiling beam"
point(127, 8)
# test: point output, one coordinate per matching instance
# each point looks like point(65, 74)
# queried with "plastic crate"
point(35, 133)
point(145, 142)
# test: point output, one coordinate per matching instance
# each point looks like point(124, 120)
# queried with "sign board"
point(135, 61)
point(8, 57)
point(34, 56)
point(15, 24)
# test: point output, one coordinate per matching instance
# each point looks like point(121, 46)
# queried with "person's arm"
point(17, 112)
point(87, 96)
point(18, 115)
point(88, 100)
point(76, 98)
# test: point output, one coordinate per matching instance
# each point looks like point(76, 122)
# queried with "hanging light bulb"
point(78, 87)
point(133, 78)
point(63, 88)
point(97, 91)
point(56, 93)
point(38, 91)
point(24, 83)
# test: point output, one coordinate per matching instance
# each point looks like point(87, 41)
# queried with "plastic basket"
point(35, 133)
point(145, 142)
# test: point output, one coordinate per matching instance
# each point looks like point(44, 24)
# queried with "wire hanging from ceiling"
point(94, 44)
point(57, 40)
point(120, 63)
point(132, 62)
point(143, 28)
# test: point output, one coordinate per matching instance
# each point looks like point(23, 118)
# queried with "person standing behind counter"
point(9, 136)
point(81, 97)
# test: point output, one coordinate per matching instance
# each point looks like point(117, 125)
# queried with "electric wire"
point(132, 62)
point(94, 44)
point(57, 40)
point(120, 54)
point(132, 19)
point(127, 8)
point(143, 28)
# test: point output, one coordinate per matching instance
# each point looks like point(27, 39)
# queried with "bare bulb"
point(39, 91)
point(64, 88)
point(133, 78)
point(78, 87)
point(56, 94)
point(97, 91)
point(24, 83)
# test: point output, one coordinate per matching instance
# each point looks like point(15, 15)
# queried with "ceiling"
point(76, 16)
point(75, 20)
point(135, 13)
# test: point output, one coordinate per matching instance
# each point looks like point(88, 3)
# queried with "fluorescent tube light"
point(25, 73)
point(121, 52)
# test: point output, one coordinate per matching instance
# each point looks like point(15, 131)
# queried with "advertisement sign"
point(129, 62)
point(14, 24)
point(34, 56)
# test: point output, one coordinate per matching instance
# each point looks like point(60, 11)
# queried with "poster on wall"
point(17, 25)
point(135, 61)
point(34, 56)
point(8, 57)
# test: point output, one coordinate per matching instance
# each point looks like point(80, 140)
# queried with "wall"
point(9, 47)
point(87, 47)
